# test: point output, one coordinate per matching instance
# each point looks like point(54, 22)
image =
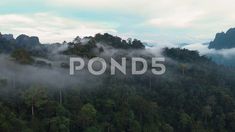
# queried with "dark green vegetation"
point(117, 42)
point(194, 95)
point(22, 56)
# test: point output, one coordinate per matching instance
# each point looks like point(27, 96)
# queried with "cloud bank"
point(203, 50)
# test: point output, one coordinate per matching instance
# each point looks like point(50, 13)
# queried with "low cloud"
point(204, 50)
point(54, 76)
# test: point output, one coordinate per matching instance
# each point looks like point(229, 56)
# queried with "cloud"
point(140, 7)
point(112, 5)
point(182, 20)
point(197, 19)
point(203, 50)
point(50, 28)
point(178, 20)
point(154, 8)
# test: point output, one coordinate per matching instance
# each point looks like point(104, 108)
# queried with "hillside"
point(37, 94)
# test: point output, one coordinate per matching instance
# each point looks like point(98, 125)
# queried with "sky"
point(152, 21)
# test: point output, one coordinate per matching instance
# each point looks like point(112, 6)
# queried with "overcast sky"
point(153, 21)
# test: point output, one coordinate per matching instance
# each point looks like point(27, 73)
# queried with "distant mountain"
point(224, 46)
point(223, 40)
point(31, 43)
point(8, 37)
point(25, 40)
point(78, 46)
point(182, 44)
point(147, 45)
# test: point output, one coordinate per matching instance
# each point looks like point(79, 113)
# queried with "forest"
point(37, 94)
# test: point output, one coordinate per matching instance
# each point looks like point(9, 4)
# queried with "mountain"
point(182, 44)
point(8, 37)
point(31, 43)
point(24, 40)
point(223, 40)
point(222, 48)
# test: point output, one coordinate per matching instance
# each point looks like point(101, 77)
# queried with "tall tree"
point(35, 97)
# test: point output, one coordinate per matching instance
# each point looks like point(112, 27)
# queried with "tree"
point(137, 44)
point(135, 126)
point(58, 117)
point(22, 56)
point(167, 128)
point(35, 97)
point(183, 67)
point(207, 113)
point(87, 115)
point(8, 120)
point(185, 122)
point(230, 118)
point(92, 129)
point(59, 124)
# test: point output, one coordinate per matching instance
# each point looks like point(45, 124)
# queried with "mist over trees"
point(38, 95)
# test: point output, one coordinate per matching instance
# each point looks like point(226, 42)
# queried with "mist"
point(53, 77)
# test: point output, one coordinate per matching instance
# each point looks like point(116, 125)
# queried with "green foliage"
point(167, 128)
point(79, 48)
point(117, 42)
point(22, 56)
point(89, 111)
point(185, 122)
point(92, 129)
point(87, 115)
point(35, 97)
point(59, 124)
point(8, 120)
point(231, 120)
point(84, 50)
point(184, 55)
